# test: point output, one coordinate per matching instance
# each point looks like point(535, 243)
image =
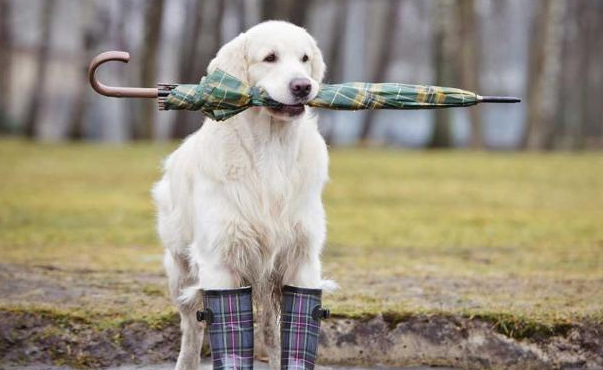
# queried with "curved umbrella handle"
point(116, 92)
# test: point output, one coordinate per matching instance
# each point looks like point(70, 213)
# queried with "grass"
point(517, 236)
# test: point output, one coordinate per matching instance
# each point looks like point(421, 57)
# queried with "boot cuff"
point(221, 292)
point(300, 290)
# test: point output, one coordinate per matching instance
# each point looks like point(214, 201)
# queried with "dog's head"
point(279, 57)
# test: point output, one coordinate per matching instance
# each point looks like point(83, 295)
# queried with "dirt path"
point(131, 295)
point(125, 294)
point(107, 319)
point(207, 366)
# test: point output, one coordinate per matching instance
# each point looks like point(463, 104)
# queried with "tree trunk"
point(42, 60)
point(386, 35)
point(242, 21)
point(130, 75)
point(5, 57)
point(335, 51)
point(469, 66)
point(565, 118)
point(590, 76)
point(218, 36)
point(196, 66)
point(294, 11)
point(208, 52)
point(269, 9)
point(543, 85)
point(189, 55)
point(89, 41)
point(578, 99)
point(598, 108)
point(333, 60)
point(152, 24)
point(298, 12)
point(442, 29)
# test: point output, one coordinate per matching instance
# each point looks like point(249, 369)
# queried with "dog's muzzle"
point(289, 110)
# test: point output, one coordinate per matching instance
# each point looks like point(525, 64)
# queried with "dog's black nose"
point(300, 87)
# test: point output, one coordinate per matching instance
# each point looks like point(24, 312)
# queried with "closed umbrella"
point(221, 96)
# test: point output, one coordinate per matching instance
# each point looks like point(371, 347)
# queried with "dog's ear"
point(232, 58)
point(318, 64)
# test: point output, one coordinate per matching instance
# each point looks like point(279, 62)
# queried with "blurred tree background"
point(549, 52)
point(450, 240)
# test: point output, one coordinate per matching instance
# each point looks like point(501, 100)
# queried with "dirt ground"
point(84, 318)
point(207, 366)
point(131, 295)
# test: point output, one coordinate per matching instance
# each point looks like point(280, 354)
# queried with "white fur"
point(240, 201)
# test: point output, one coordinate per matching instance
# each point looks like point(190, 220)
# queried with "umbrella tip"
point(498, 99)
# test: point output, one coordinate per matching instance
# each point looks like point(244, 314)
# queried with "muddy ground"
point(92, 319)
point(206, 365)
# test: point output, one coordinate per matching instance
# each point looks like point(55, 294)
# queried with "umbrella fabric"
point(221, 96)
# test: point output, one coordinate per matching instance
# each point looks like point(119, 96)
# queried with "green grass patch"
point(473, 233)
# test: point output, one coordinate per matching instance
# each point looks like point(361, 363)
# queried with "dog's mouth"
point(289, 110)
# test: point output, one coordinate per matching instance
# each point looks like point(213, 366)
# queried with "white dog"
point(240, 201)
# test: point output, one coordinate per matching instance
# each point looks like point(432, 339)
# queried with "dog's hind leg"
point(179, 277)
point(270, 334)
point(192, 339)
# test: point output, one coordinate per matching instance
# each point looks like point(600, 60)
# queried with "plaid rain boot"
point(229, 317)
point(300, 327)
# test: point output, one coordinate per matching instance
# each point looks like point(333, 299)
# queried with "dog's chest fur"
point(268, 193)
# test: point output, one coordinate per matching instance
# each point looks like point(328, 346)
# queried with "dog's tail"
point(328, 285)
point(189, 295)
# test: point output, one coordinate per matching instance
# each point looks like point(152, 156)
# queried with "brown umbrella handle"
point(117, 92)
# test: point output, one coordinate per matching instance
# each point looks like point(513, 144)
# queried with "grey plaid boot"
point(229, 317)
point(300, 327)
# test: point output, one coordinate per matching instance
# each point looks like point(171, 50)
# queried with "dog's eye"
point(270, 58)
point(305, 58)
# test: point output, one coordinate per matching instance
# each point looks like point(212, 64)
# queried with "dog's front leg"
point(302, 261)
point(211, 276)
point(302, 310)
point(228, 313)
point(180, 278)
point(192, 338)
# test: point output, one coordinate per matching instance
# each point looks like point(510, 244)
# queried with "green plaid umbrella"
point(221, 96)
